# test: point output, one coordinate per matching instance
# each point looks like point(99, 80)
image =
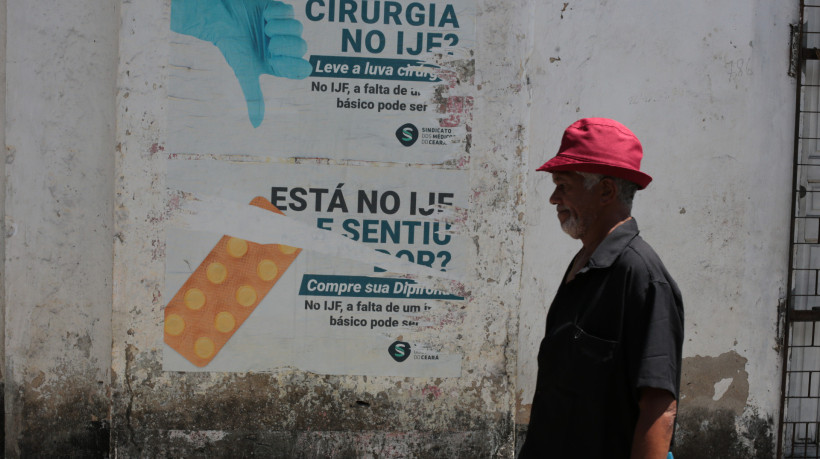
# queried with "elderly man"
point(609, 365)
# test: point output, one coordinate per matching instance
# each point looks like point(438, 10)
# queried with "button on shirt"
point(615, 328)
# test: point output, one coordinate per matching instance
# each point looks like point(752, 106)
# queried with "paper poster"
point(239, 305)
point(349, 118)
point(367, 80)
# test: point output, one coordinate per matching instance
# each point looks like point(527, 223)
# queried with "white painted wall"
point(3, 181)
point(704, 85)
point(60, 63)
point(474, 409)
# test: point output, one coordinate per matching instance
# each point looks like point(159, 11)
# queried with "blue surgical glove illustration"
point(255, 36)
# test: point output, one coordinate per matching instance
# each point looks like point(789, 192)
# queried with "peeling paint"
point(721, 387)
point(714, 419)
point(532, 70)
point(522, 410)
point(716, 383)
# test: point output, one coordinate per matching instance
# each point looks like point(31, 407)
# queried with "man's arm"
point(656, 421)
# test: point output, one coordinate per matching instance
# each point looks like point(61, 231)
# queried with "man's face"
point(574, 203)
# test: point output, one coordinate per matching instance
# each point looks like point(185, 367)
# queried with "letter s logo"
point(399, 350)
point(407, 134)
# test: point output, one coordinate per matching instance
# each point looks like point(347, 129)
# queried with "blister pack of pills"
point(222, 293)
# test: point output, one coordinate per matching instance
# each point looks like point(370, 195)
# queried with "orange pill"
point(174, 324)
point(194, 299)
point(204, 347)
point(216, 272)
point(287, 250)
point(246, 295)
point(236, 247)
point(224, 322)
point(267, 270)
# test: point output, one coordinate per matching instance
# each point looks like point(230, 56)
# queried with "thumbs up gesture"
point(255, 36)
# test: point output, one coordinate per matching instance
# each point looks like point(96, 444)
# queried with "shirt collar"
point(613, 244)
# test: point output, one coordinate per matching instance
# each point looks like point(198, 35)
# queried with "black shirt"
point(615, 328)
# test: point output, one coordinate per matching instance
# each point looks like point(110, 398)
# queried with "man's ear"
point(609, 192)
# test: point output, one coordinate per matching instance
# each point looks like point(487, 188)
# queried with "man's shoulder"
point(639, 257)
point(643, 271)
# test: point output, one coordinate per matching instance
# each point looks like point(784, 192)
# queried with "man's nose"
point(554, 197)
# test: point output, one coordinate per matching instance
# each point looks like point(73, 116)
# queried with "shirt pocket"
point(592, 362)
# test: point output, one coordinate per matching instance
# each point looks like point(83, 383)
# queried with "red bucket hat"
point(600, 146)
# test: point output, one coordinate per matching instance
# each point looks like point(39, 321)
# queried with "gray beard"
point(573, 227)
point(576, 226)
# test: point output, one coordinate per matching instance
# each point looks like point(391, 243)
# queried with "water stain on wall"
point(721, 433)
point(714, 419)
point(297, 414)
point(70, 416)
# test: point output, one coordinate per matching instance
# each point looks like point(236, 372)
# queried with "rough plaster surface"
point(715, 418)
point(60, 70)
point(692, 87)
point(707, 93)
point(703, 376)
point(717, 432)
point(2, 180)
point(3, 210)
point(289, 411)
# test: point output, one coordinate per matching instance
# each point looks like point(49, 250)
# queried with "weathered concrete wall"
point(703, 85)
point(60, 68)
point(3, 206)
point(709, 96)
point(292, 413)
